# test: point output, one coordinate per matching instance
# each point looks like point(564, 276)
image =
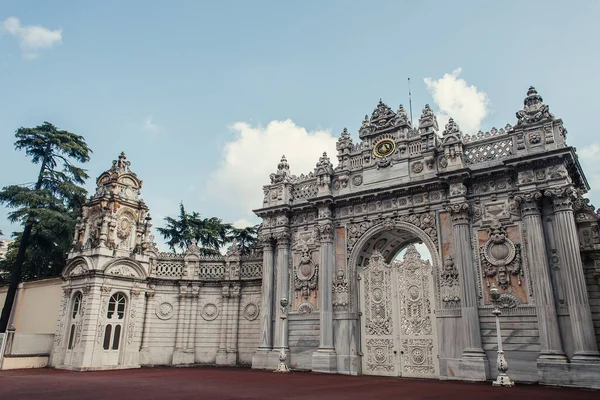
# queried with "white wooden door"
point(113, 329)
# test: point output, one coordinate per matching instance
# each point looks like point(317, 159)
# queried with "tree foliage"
point(48, 209)
point(210, 234)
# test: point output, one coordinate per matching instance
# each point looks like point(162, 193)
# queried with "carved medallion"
point(417, 167)
point(384, 148)
point(210, 312)
point(251, 311)
point(164, 310)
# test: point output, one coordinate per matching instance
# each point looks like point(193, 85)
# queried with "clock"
point(384, 148)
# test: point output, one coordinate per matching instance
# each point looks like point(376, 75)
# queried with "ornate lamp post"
point(502, 379)
point(282, 367)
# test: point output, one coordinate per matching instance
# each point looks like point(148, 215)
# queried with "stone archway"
point(396, 301)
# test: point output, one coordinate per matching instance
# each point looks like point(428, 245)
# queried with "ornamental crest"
point(306, 276)
point(500, 257)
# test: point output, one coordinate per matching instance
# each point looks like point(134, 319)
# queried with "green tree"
point(47, 210)
point(210, 234)
point(180, 232)
point(245, 238)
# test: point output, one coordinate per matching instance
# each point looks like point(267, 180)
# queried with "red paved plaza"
point(236, 383)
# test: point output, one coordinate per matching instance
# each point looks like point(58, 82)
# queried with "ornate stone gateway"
point(500, 209)
point(398, 325)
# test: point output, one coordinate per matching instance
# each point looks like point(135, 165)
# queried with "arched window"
point(75, 314)
point(115, 316)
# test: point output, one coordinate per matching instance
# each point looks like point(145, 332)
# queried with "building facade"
point(498, 209)
point(125, 304)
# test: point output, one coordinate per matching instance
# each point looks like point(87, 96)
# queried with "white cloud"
point(150, 126)
point(242, 223)
point(32, 38)
point(255, 152)
point(454, 98)
point(589, 156)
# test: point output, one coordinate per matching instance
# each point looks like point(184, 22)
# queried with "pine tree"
point(46, 210)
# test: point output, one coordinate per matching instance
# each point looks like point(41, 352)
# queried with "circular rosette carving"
point(210, 312)
point(417, 167)
point(357, 180)
point(251, 311)
point(417, 355)
point(164, 310)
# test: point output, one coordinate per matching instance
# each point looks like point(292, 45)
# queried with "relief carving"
point(500, 257)
point(306, 276)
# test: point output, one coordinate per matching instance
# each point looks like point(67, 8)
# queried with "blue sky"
point(205, 97)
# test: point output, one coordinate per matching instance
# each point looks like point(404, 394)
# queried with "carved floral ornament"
point(424, 221)
point(500, 257)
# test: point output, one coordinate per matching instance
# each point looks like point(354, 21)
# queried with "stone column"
point(474, 363)
point(180, 355)
point(283, 283)
point(325, 359)
point(260, 358)
point(567, 243)
point(224, 316)
point(537, 261)
point(266, 312)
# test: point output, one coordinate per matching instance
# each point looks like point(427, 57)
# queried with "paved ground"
point(235, 383)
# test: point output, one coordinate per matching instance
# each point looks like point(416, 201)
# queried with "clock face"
point(384, 148)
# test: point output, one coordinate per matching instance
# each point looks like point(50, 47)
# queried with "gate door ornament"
point(399, 336)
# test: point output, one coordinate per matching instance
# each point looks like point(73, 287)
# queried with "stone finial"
point(345, 134)
point(451, 128)
point(324, 166)
point(283, 164)
point(402, 116)
point(344, 143)
point(283, 172)
point(233, 250)
point(193, 248)
point(534, 110)
point(428, 121)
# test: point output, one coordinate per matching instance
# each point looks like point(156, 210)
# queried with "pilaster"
point(325, 359)
point(222, 352)
point(144, 348)
point(180, 355)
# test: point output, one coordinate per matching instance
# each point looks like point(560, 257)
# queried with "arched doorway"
point(397, 303)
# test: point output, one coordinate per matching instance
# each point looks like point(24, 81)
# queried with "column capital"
point(459, 213)
point(530, 202)
point(325, 231)
point(265, 240)
point(562, 198)
point(282, 238)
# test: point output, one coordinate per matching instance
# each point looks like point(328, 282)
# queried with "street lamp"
point(282, 367)
point(502, 379)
